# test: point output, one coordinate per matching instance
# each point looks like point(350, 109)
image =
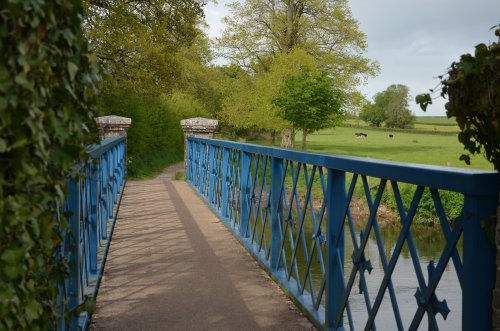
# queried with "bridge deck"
point(172, 265)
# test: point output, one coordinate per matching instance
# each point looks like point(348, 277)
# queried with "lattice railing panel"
point(319, 225)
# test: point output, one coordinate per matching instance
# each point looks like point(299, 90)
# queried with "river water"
point(429, 242)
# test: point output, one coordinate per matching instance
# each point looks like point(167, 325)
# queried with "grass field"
point(436, 120)
point(433, 124)
point(435, 149)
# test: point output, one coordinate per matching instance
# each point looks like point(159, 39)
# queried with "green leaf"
point(33, 310)
point(13, 255)
point(22, 80)
point(3, 145)
point(3, 103)
point(12, 271)
point(72, 70)
point(465, 158)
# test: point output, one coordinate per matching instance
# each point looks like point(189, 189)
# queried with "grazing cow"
point(361, 135)
point(391, 136)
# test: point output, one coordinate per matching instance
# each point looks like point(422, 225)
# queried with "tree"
point(473, 88)
point(156, 59)
point(394, 102)
point(248, 103)
point(258, 30)
point(372, 114)
point(309, 102)
point(136, 41)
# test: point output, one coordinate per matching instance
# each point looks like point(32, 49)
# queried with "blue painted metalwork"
point(93, 201)
point(292, 211)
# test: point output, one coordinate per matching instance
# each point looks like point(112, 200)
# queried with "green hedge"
point(155, 138)
point(46, 84)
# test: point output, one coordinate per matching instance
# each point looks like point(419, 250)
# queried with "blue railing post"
point(225, 183)
point(336, 200)
point(189, 161)
point(245, 188)
point(478, 264)
point(211, 184)
point(94, 180)
point(203, 166)
point(111, 195)
point(276, 208)
point(75, 271)
point(196, 164)
point(103, 198)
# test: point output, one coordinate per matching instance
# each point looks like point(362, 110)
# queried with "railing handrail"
point(473, 182)
point(96, 150)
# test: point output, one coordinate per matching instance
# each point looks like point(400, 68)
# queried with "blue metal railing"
point(292, 211)
point(93, 202)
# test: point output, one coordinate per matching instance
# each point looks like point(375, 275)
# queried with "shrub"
point(155, 138)
point(46, 88)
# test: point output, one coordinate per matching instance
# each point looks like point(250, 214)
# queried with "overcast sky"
point(414, 41)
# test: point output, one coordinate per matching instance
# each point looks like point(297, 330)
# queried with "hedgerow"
point(46, 87)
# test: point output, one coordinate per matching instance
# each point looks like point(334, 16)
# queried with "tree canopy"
point(275, 39)
point(372, 114)
point(137, 41)
point(390, 106)
point(309, 102)
point(258, 30)
point(156, 71)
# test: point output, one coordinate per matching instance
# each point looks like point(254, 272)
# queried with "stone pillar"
point(197, 127)
point(112, 126)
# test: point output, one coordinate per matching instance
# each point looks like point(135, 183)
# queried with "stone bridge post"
point(197, 127)
point(114, 126)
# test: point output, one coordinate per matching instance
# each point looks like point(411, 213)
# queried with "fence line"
point(293, 211)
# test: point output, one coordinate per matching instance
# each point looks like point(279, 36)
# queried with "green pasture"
point(432, 124)
point(436, 120)
point(436, 128)
point(435, 149)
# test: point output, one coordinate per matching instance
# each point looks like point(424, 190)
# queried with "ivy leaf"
point(13, 256)
point(3, 145)
point(72, 70)
point(22, 80)
point(465, 158)
point(33, 310)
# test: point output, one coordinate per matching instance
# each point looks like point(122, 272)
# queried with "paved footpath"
point(172, 265)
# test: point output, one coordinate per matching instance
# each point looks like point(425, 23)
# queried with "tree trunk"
point(288, 138)
point(286, 141)
point(304, 136)
point(273, 137)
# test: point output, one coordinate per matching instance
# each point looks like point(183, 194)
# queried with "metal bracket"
point(319, 235)
point(363, 264)
point(437, 306)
